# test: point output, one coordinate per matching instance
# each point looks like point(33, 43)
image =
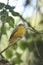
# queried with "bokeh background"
point(27, 50)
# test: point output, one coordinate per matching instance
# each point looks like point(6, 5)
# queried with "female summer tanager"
point(17, 33)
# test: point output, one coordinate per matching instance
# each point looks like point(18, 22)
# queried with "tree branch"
point(30, 25)
point(7, 47)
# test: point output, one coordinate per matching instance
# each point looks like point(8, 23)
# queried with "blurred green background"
point(28, 50)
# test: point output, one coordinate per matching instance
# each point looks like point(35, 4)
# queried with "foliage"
point(5, 18)
point(8, 53)
point(31, 37)
point(17, 59)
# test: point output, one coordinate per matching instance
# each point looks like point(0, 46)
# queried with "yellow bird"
point(17, 33)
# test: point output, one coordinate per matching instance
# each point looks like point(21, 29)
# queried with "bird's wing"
point(14, 31)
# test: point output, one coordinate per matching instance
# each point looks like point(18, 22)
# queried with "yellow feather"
point(17, 33)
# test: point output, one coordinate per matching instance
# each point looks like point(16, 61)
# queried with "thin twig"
point(7, 47)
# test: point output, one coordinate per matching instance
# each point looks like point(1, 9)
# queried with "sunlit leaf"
point(3, 29)
point(17, 59)
point(10, 20)
point(8, 53)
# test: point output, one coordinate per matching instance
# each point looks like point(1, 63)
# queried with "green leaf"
point(8, 53)
point(3, 29)
point(14, 47)
point(2, 5)
point(15, 13)
point(11, 10)
point(8, 7)
point(18, 55)
point(4, 15)
point(3, 18)
point(23, 44)
point(4, 12)
point(16, 61)
point(10, 20)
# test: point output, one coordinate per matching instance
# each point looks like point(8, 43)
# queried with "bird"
point(17, 33)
